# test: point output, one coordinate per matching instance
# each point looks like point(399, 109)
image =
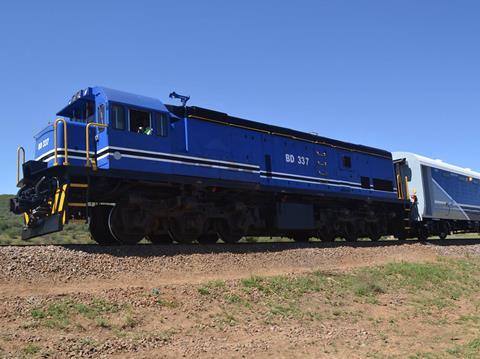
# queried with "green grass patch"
point(427, 286)
point(31, 349)
point(439, 282)
point(212, 287)
point(203, 291)
point(282, 286)
point(470, 350)
point(59, 314)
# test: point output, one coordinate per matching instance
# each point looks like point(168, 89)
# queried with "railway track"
point(246, 247)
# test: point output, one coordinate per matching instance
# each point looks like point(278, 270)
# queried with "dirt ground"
point(251, 300)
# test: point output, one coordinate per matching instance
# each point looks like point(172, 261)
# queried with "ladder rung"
point(78, 185)
point(76, 204)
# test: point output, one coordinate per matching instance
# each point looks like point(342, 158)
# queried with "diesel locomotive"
point(133, 167)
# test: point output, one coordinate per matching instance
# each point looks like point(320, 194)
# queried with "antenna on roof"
point(184, 99)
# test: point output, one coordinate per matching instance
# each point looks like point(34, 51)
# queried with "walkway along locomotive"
point(136, 168)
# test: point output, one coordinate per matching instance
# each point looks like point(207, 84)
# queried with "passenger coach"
point(447, 197)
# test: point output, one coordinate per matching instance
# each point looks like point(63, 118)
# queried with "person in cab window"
point(145, 131)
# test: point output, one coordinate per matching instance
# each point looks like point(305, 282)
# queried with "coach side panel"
point(451, 195)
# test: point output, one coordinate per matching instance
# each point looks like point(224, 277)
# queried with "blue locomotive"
point(136, 168)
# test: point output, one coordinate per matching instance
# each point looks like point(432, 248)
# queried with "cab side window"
point(161, 124)
point(117, 117)
point(139, 121)
point(101, 116)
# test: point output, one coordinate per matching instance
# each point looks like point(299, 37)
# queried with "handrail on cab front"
point(91, 163)
point(20, 151)
point(65, 144)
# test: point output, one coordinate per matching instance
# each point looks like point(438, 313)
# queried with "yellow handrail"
point(87, 144)
point(399, 187)
point(407, 194)
point(20, 150)
point(65, 143)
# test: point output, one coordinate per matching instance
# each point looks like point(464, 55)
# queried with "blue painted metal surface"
point(213, 150)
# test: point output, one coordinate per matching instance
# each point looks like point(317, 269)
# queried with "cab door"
point(402, 174)
point(136, 138)
point(98, 137)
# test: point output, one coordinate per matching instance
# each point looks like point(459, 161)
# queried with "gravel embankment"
point(466, 248)
point(163, 312)
point(65, 263)
point(79, 262)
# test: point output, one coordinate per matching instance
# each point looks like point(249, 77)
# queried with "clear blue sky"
point(399, 75)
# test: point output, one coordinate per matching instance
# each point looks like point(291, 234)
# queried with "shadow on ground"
point(149, 250)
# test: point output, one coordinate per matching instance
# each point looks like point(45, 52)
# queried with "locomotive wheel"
point(118, 230)
point(98, 226)
point(226, 234)
point(159, 238)
point(401, 236)
point(422, 234)
point(373, 232)
point(444, 230)
point(349, 233)
point(207, 239)
point(327, 237)
point(181, 231)
point(301, 237)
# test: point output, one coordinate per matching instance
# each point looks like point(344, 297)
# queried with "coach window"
point(139, 120)
point(117, 117)
point(161, 124)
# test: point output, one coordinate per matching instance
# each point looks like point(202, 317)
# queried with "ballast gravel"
point(78, 262)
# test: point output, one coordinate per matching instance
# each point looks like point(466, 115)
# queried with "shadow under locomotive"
point(162, 250)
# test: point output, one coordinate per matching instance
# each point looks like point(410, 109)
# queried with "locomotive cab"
point(87, 138)
point(113, 118)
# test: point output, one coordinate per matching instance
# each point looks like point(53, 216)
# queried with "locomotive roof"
point(209, 115)
point(216, 116)
point(133, 99)
point(111, 95)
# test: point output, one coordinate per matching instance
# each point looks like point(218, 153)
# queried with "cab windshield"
point(84, 112)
